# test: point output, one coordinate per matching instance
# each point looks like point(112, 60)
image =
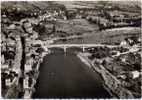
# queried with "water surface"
point(65, 76)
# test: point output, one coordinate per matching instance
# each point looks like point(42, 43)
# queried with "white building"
point(135, 74)
point(2, 59)
point(8, 82)
point(26, 83)
point(28, 65)
point(124, 43)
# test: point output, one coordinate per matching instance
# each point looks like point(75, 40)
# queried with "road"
point(81, 45)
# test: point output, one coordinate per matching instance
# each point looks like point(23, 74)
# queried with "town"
point(108, 34)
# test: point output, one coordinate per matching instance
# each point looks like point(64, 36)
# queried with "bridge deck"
point(79, 45)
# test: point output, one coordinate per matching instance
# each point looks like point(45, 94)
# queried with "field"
point(75, 26)
point(113, 36)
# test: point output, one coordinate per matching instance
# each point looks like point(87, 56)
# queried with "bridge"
point(83, 46)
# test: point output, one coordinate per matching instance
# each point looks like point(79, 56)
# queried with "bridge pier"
point(83, 49)
point(65, 49)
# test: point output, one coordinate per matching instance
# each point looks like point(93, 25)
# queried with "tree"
point(54, 29)
point(40, 50)
point(40, 28)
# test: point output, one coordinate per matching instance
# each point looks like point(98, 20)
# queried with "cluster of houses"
point(12, 55)
point(35, 51)
point(111, 19)
point(131, 41)
point(52, 16)
point(124, 63)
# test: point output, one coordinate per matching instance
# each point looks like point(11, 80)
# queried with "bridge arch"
point(74, 48)
point(65, 48)
point(60, 49)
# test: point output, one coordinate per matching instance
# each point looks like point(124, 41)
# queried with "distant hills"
point(24, 5)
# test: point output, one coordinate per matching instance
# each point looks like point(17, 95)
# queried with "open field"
point(75, 26)
point(113, 36)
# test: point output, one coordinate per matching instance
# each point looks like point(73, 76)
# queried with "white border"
point(57, 0)
point(72, 0)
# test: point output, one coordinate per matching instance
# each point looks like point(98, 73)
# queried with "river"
point(65, 76)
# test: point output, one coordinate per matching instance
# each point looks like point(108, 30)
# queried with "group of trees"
point(99, 53)
point(17, 15)
point(108, 21)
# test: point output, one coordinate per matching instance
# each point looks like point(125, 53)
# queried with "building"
point(123, 43)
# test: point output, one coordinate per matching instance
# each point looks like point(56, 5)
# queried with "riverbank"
point(112, 83)
point(30, 90)
point(87, 62)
